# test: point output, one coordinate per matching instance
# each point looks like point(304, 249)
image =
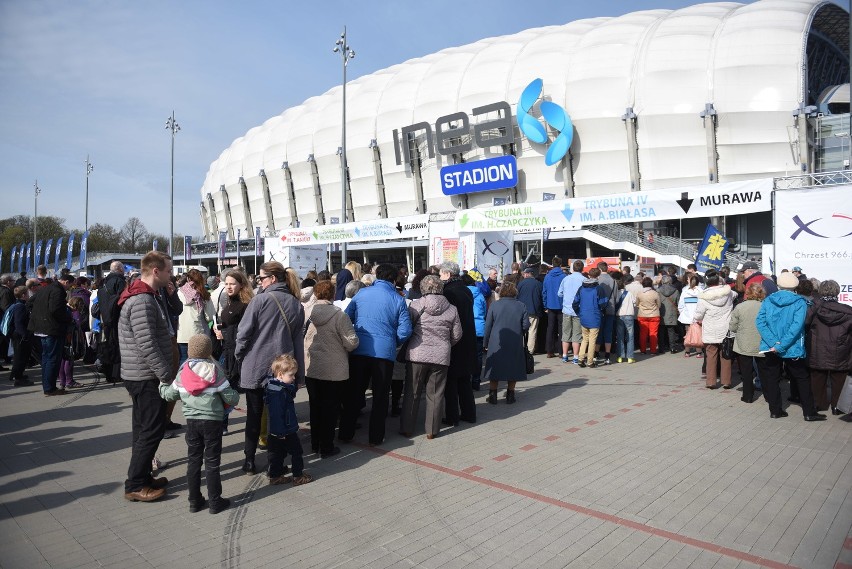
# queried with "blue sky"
point(101, 78)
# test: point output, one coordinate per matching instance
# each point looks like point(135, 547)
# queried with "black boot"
point(510, 396)
point(492, 396)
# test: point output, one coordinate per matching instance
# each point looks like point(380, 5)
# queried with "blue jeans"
point(624, 337)
point(51, 358)
point(184, 353)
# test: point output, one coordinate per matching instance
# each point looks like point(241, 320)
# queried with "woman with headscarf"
point(198, 312)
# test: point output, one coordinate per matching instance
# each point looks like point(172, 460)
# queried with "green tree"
point(103, 237)
point(19, 229)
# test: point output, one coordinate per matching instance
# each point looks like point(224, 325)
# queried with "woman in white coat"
point(198, 312)
point(714, 309)
point(686, 309)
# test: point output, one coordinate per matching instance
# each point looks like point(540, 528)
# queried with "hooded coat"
point(329, 338)
point(550, 289)
point(669, 297)
point(202, 386)
point(830, 326)
point(143, 335)
point(504, 339)
point(463, 360)
point(781, 323)
point(381, 320)
point(590, 302)
point(714, 309)
point(436, 327)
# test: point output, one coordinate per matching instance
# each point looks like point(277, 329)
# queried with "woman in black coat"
point(830, 346)
point(503, 342)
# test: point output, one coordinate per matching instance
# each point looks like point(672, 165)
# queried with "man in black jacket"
point(458, 392)
point(108, 294)
point(49, 319)
point(7, 299)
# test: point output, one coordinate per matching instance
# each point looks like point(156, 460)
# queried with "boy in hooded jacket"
point(283, 436)
point(206, 394)
point(590, 302)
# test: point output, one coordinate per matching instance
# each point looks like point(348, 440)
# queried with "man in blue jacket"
point(553, 306)
point(781, 323)
point(381, 322)
point(529, 292)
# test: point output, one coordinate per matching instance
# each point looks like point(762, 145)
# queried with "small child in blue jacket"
point(283, 436)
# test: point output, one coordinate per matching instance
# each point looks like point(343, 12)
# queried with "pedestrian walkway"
point(620, 466)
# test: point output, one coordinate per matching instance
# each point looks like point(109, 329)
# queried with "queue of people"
point(209, 344)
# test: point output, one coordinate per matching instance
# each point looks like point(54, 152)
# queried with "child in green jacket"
point(202, 386)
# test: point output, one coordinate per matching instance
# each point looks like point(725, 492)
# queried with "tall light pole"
point(346, 53)
point(35, 216)
point(173, 126)
point(89, 168)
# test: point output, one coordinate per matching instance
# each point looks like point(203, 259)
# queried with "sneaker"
point(565, 359)
point(699, 355)
point(582, 364)
point(593, 364)
point(74, 385)
point(157, 464)
point(305, 478)
point(219, 505)
point(576, 361)
point(619, 360)
point(248, 467)
point(606, 362)
point(631, 361)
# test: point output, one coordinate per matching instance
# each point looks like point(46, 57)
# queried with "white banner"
point(411, 227)
point(303, 258)
point(813, 231)
point(494, 250)
point(731, 198)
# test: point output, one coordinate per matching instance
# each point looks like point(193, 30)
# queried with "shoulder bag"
point(693, 337)
point(728, 346)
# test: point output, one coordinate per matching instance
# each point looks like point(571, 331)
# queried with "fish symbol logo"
point(554, 115)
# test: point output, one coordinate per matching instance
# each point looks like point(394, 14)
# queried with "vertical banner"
point(494, 250)
point(56, 258)
point(83, 254)
point(187, 249)
point(70, 251)
point(238, 246)
point(813, 231)
point(38, 253)
point(711, 252)
point(767, 264)
point(21, 254)
point(29, 256)
point(154, 245)
point(258, 243)
point(222, 241)
point(1, 257)
point(47, 249)
point(12, 264)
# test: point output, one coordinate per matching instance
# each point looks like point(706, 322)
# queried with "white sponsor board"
point(494, 250)
point(731, 198)
point(303, 258)
point(813, 230)
point(411, 227)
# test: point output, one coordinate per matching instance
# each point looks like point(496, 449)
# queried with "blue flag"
point(70, 251)
point(83, 256)
point(56, 256)
point(258, 243)
point(187, 249)
point(12, 264)
point(47, 247)
point(21, 258)
point(29, 256)
point(712, 251)
point(37, 254)
point(223, 237)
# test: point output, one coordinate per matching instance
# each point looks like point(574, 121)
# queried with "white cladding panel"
point(747, 60)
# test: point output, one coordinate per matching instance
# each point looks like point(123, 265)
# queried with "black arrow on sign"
point(684, 202)
point(399, 226)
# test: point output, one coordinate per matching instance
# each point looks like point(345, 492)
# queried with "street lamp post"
point(89, 168)
point(174, 127)
point(346, 53)
point(35, 216)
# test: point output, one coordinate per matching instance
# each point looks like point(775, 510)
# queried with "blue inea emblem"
point(553, 114)
point(479, 176)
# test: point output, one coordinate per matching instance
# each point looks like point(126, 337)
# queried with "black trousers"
point(770, 376)
point(458, 394)
point(203, 440)
point(281, 447)
point(254, 411)
point(149, 424)
point(363, 371)
point(4, 347)
point(552, 343)
point(747, 373)
point(21, 345)
point(324, 399)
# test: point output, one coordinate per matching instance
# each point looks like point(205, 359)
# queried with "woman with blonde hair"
point(198, 311)
point(350, 272)
point(747, 339)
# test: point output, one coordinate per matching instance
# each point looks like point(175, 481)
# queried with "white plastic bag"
point(844, 404)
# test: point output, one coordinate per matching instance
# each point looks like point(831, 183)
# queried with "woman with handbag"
point(714, 309)
point(198, 312)
point(272, 325)
point(503, 342)
point(436, 327)
point(686, 310)
point(747, 339)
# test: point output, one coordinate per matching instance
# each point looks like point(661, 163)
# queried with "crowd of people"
point(209, 343)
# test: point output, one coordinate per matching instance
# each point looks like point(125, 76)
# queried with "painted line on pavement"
point(467, 474)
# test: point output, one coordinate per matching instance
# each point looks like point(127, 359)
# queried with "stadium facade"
point(716, 93)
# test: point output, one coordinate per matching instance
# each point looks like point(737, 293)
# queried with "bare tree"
point(134, 236)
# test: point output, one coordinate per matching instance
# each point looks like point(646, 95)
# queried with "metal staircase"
point(628, 238)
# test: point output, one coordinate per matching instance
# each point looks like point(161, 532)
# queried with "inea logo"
point(553, 114)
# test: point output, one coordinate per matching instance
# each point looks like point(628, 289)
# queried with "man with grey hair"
point(458, 393)
point(108, 350)
point(352, 288)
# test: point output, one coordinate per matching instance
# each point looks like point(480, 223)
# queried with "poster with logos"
point(813, 231)
point(303, 258)
point(494, 250)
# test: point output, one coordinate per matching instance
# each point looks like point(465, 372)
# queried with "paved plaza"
point(622, 466)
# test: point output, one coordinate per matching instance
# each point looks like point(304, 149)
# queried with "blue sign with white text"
point(480, 176)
